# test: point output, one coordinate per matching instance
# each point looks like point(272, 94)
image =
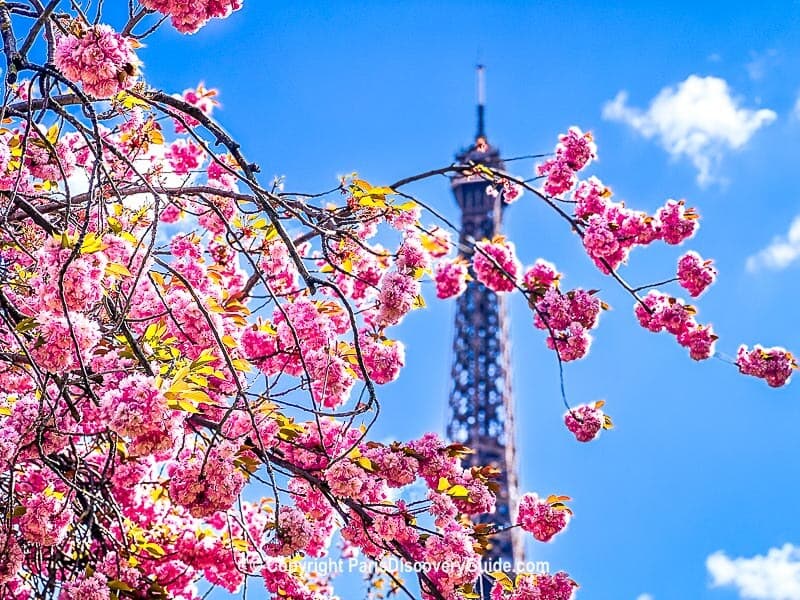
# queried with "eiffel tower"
point(481, 403)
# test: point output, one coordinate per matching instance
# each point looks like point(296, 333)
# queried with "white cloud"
point(698, 119)
point(783, 251)
point(775, 576)
point(796, 110)
point(645, 597)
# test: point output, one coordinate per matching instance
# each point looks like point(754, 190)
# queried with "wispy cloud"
point(761, 62)
point(775, 576)
point(698, 119)
point(645, 597)
point(781, 252)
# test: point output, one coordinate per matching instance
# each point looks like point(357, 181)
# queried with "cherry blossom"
point(695, 274)
point(496, 265)
point(774, 365)
point(544, 518)
point(99, 58)
point(587, 421)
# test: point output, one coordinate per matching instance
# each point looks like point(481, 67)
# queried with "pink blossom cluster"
point(512, 191)
point(137, 410)
point(774, 365)
point(206, 485)
point(658, 312)
point(544, 518)
point(496, 265)
point(200, 98)
point(695, 274)
point(383, 358)
point(396, 297)
point(574, 152)
point(46, 518)
point(187, 16)
point(94, 587)
point(332, 377)
point(609, 237)
point(12, 557)
point(279, 268)
point(540, 277)
point(451, 278)
point(184, 156)
point(587, 421)
point(567, 317)
point(412, 257)
point(99, 58)
point(536, 587)
point(64, 342)
point(81, 284)
point(44, 158)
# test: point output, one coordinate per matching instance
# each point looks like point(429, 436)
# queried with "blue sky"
point(702, 459)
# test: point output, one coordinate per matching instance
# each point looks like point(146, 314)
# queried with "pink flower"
point(587, 420)
point(86, 588)
point(678, 223)
point(56, 351)
point(541, 276)
point(661, 311)
point(99, 58)
point(332, 377)
point(412, 258)
point(543, 518)
point(383, 357)
point(293, 534)
point(396, 298)
point(553, 311)
point(700, 340)
point(188, 16)
point(584, 307)
point(560, 176)
point(136, 409)
point(451, 278)
point(46, 518)
point(601, 242)
point(571, 343)
point(396, 467)
point(511, 191)
point(649, 315)
point(774, 365)
point(695, 274)
point(184, 156)
point(576, 148)
point(206, 486)
point(591, 198)
point(496, 265)
point(200, 98)
point(537, 586)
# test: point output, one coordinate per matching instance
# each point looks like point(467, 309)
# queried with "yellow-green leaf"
point(117, 270)
point(184, 405)
point(154, 550)
point(458, 491)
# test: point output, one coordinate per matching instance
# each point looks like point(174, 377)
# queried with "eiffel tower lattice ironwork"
point(481, 403)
